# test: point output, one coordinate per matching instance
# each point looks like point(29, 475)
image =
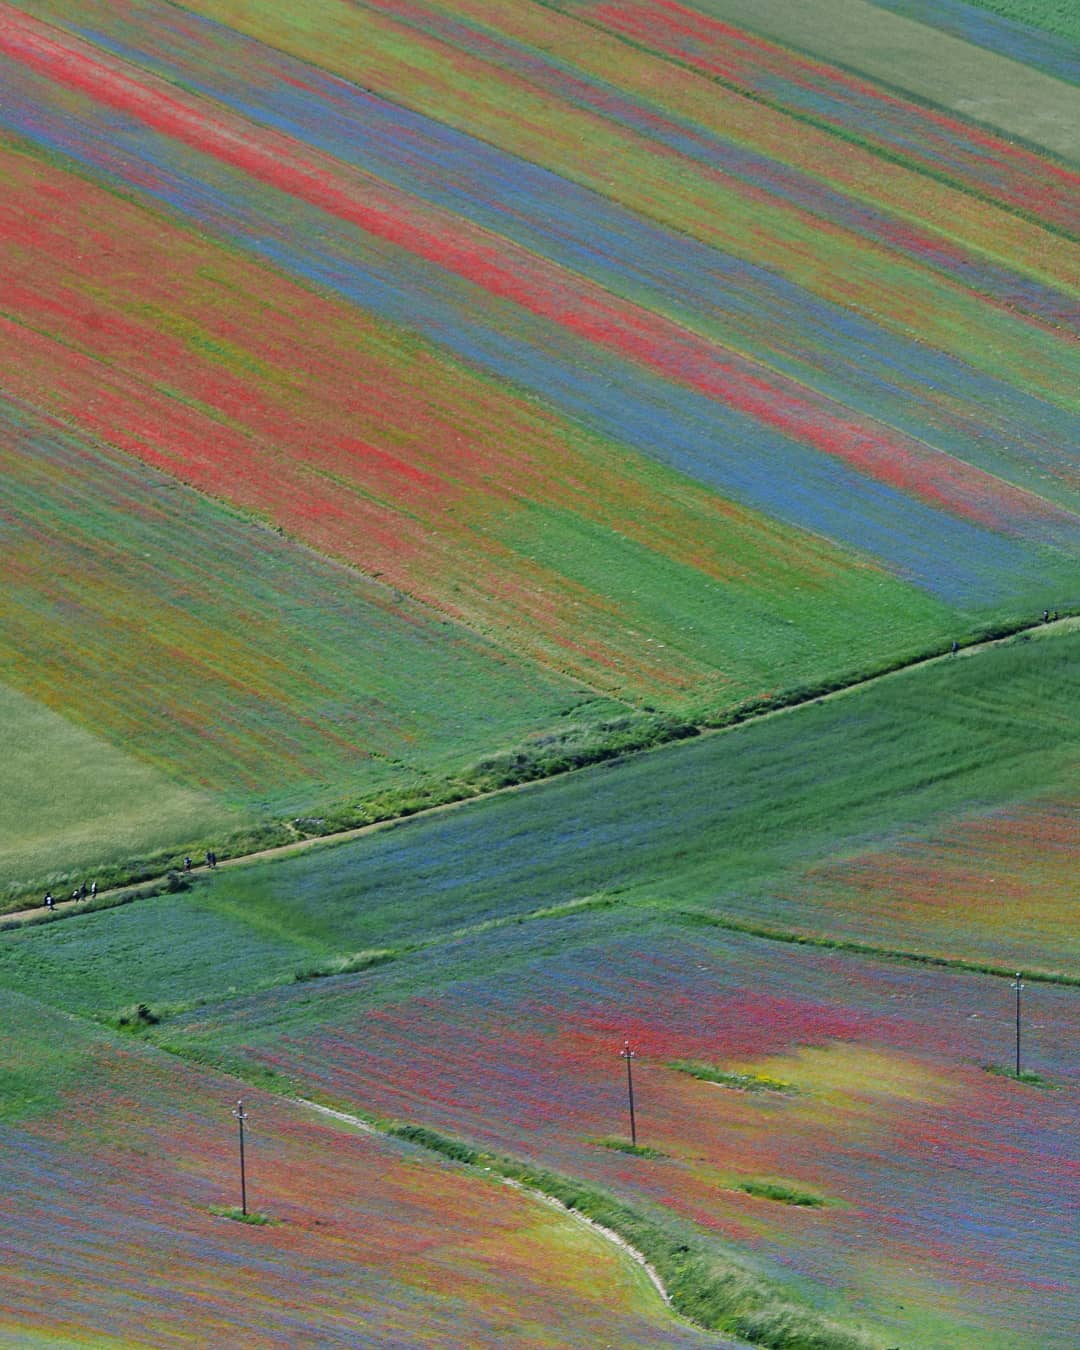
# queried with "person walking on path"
point(49, 901)
point(93, 889)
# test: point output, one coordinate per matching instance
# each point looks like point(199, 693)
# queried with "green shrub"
point(1027, 1076)
point(437, 1143)
point(625, 1146)
point(235, 1212)
point(786, 1192)
point(348, 965)
point(136, 1017)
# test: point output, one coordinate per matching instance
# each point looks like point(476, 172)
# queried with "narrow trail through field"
point(1035, 631)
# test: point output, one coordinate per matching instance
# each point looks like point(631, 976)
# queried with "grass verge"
point(1027, 1076)
point(348, 965)
point(700, 919)
point(784, 1192)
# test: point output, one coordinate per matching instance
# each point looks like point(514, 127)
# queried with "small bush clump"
point(625, 1146)
point(742, 1082)
point(137, 1017)
point(347, 965)
point(234, 1212)
point(1027, 1076)
point(785, 1192)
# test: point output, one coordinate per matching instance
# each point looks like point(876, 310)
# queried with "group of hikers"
point(82, 892)
point(85, 892)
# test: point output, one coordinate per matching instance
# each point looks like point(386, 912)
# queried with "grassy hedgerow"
point(253, 1216)
point(1027, 1076)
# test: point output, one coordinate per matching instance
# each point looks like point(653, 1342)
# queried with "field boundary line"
point(131, 891)
point(703, 919)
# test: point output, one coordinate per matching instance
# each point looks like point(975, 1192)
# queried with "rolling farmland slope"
point(115, 1157)
point(244, 672)
point(683, 365)
point(475, 973)
point(404, 400)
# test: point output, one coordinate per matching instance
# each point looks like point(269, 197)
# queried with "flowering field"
point(395, 388)
point(425, 475)
point(781, 333)
point(855, 1135)
point(109, 1234)
point(956, 56)
point(994, 881)
point(673, 364)
point(241, 670)
point(934, 1194)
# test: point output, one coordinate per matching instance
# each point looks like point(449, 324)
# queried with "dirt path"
point(1037, 631)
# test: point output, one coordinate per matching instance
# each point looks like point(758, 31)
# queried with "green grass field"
point(75, 803)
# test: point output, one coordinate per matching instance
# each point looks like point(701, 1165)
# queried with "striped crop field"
point(1038, 33)
point(676, 361)
point(986, 883)
point(115, 1160)
point(959, 57)
point(239, 669)
point(403, 401)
